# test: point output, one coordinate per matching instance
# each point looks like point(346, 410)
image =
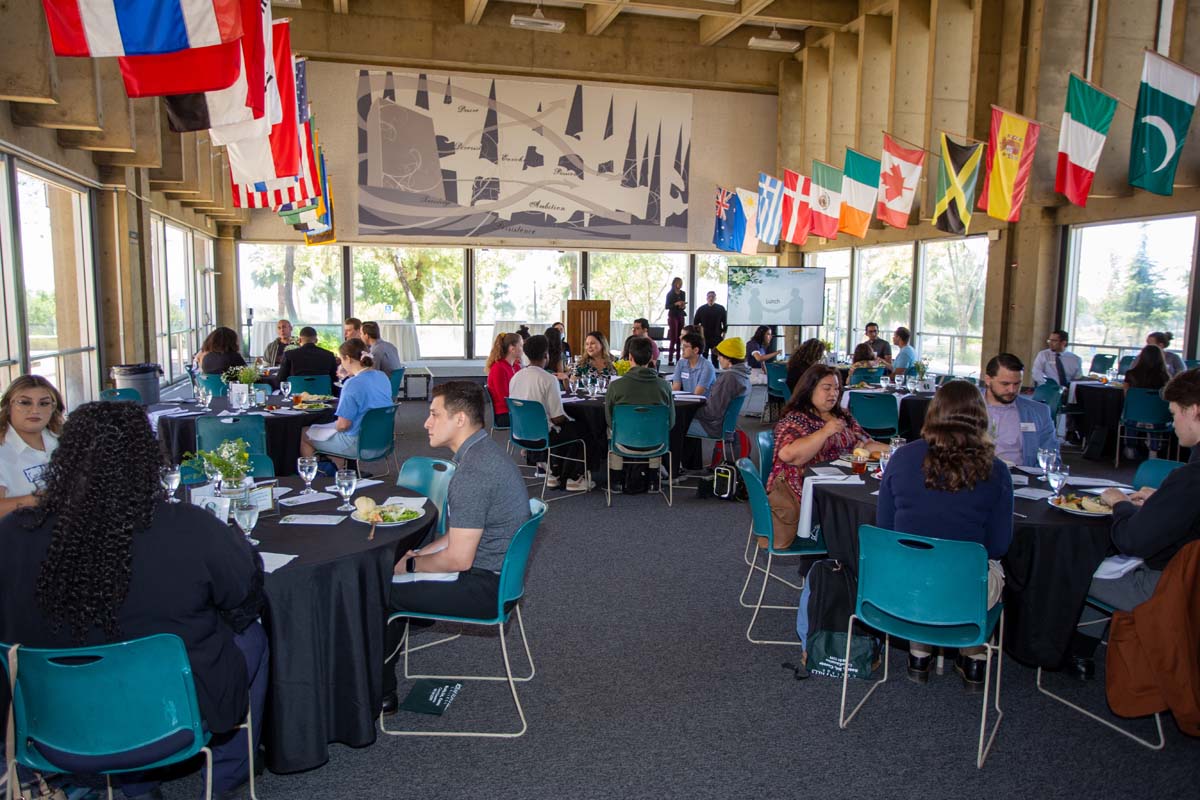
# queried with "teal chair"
point(728, 425)
point(872, 375)
point(397, 380)
point(531, 430)
point(119, 395)
point(878, 414)
point(777, 391)
point(266, 388)
point(1191, 363)
point(512, 589)
point(213, 385)
point(313, 384)
point(1102, 363)
point(1125, 363)
point(376, 438)
point(1153, 472)
point(762, 525)
point(108, 709)
point(429, 477)
point(926, 590)
point(212, 431)
point(1145, 414)
point(766, 460)
point(641, 433)
point(1049, 393)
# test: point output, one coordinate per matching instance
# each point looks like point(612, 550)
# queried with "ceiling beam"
point(341, 6)
point(473, 11)
point(713, 28)
point(600, 16)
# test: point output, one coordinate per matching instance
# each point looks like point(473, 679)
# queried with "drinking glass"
point(286, 388)
point(884, 458)
point(592, 385)
point(573, 383)
point(885, 383)
point(307, 467)
point(346, 482)
point(245, 513)
point(897, 442)
point(1044, 455)
point(858, 464)
point(1058, 473)
point(169, 477)
point(210, 471)
point(911, 383)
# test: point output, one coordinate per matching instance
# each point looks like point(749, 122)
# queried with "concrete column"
point(28, 71)
point(1128, 30)
point(843, 95)
point(118, 133)
point(124, 270)
point(874, 82)
point(908, 101)
point(816, 105)
point(948, 86)
point(228, 303)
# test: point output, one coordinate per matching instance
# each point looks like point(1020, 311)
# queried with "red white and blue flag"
point(277, 156)
point(140, 27)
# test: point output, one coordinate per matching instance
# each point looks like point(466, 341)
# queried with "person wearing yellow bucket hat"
point(733, 348)
point(732, 381)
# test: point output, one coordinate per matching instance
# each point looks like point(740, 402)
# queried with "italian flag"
point(826, 199)
point(860, 185)
point(1085, 124)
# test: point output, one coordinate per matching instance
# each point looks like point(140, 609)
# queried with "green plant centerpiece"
point(622, 365)
point(247, 375)
point(228, 464)
point(920, 368)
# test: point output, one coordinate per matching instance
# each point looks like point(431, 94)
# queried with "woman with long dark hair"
point(759, 352)
point(1175, 364)
point(1149, 370)
point(807, 354)
point(220, 352)
point(103, 558)
point(554, 353)
point(31, 417)
point(676, 317)
point(951, 485)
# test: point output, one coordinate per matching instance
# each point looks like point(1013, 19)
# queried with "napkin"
point(280, 491)
point(311, 519)
point(320, 433)
point(302, 499)
point(273, 561)
point(1030, 470)
point(1116, 566)
point(417, 577)
point(831, 472)
point(804, 527)
point(1030, 493)
point(415, 503)
point(1078, 480)
point(362, 484)
point(1020, 480)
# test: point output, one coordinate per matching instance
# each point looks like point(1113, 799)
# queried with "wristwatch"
point(410, 564)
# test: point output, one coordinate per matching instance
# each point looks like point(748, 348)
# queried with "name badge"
point(685, 375)
point(1028, 427)
point(36, 475)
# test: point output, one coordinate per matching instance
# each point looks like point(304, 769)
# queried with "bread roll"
point(365, 505)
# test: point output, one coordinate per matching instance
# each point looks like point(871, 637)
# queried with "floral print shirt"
point(584, 370)
point(796, 425)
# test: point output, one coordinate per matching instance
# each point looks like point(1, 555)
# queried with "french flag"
point(99, 28)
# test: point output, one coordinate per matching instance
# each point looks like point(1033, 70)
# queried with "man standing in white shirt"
point(535, 383)
point(1056, 363)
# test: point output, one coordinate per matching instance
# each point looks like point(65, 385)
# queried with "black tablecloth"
point(1048, 568)
point(590, 415)
point(1101, 406)
point(326, 612)
point(912, 414)
point(178, 434)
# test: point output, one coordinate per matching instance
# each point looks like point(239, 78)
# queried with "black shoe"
point(390, 704)
point(972, 671)
point(1081, 668)
point(918, 668)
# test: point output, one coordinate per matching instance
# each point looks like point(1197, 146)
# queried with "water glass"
point(884, 458)
point(1058, 473)
point(285, 388)
point(346, 482)
point(885, 383)
point(1043, 456)
point(170, 478)
point(898, 442)
point(573, 383)
point(911, 383)
point(307, 467)
point(210, 471)
point(245, 514)
point(592, 385)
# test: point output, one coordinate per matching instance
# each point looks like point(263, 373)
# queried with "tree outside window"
point(296, 283)
point(418, 285)
point(884, 288)
point(953, 282)
point(515, 287)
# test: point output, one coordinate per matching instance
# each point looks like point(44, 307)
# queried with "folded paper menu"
point(312, 519)
point(1030, 493)
point(1079, 480)
point(302, 499)
point(273, 561)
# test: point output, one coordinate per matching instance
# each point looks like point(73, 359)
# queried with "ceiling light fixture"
point(537, 22)
point(774, 42)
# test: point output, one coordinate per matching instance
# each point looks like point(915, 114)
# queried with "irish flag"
point(1165, 104)
point(1009, 161)
point(1085, 124)
point(826, 199)
point(860, 185)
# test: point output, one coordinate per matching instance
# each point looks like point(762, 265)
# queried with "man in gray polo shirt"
point(384, 354)
point(485, 505)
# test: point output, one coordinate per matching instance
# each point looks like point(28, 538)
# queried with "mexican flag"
point(1085, 124)
point(1165, 104)
point(860, 185)
point(826, 199)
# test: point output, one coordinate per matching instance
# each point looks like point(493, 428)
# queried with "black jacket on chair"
point(308, 359)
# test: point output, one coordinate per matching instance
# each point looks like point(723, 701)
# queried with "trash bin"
point(143, 377)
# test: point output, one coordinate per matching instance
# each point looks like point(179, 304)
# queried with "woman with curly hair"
point(103, 558)
point(31, 417)
point(951, 485)
point(807, 354)
point(220, 352)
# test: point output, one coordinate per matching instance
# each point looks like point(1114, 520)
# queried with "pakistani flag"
point(1165, 104)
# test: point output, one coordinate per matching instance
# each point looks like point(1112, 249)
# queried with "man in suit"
point(1020, 426)
point(308, 359)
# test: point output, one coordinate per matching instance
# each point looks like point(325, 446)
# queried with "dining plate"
point(313, 406)
point(1079, 512)
point(357, 517)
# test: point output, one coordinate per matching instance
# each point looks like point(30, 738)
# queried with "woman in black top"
point(676, 316)
point(103, 558)
point(220, 352)
point(1149, 370)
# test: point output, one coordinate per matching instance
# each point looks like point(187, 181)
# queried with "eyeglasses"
point(25, 404)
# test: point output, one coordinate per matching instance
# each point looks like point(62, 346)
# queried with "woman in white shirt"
point(31, 416)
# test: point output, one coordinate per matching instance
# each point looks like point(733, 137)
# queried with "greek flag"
point(770, 209)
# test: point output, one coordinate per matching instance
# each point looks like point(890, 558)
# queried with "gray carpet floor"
point(647, 688)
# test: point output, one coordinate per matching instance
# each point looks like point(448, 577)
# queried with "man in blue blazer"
point(1020, 426)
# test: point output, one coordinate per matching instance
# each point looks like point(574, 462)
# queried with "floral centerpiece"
point(229, 462)
point(622, 365)
point(920, 367)
point(247, 375)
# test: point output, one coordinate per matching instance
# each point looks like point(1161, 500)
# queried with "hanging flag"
point(1166, 100)
point(750, 208)
point(99, 28)
point(860, 185)
point(278, 155)
point(302, 89)
point(1011, 145)
point(730, 226)
point(200, 69)
point(898, 178)
point(770, 209)
point(826, 199)
point(958, 171)
point(797, 215)
point(277, 192)
point(259, 127)
point(1085, 123)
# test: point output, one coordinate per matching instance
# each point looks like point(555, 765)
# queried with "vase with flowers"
point(228, 465)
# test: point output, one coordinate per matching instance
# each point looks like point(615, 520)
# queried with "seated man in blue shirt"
point(906, 356)
point(1020, 426)
point(693, 372)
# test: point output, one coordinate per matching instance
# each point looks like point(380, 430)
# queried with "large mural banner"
point(469, 156)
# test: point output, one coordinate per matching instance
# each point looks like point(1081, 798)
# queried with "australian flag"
point(730, 228)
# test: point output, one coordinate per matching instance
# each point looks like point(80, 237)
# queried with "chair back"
point(760, 507)
point(397, 379)
point(646, 429)
point(1191, 363)
point(1102, 363)
point(878, 413)
point(766, 454)
point(265, 388)
point(431, 478)
point(313, 384)
point(117, 395)
point(732, 412)
point(777, 380)
point(865, 375)
point(1049, 393)
point(1147, 407)
point(261, 466)
point(110, 708)
point(516, 558)
point(213, 384)
point(530, 425)
point(377, 435)
point(932, 590)
point(1153, 472)
point(211, 431)
point(1125, 364)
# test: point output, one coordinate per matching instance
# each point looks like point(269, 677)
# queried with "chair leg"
point(1143, 742)
point(758, 606)
point(249, 726)
point(981, 753)
point(843, 720)
point(754, 566)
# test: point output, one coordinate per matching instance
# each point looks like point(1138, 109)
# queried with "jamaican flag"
point(957, 172)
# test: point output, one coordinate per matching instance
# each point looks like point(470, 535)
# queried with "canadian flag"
point(797, 213)
point(898, 179)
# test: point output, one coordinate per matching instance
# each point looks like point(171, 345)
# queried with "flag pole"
point(1102, 91)
point(1171, 60)
point(961, 136)
point(910, 144)
point(1030, 120)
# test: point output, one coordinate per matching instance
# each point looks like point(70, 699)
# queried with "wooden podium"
point(583, 317)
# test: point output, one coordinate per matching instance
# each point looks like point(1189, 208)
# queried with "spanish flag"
point(1011, 146)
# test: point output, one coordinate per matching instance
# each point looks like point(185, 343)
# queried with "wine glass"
point(210, 470)
point(285, 387)
point(592, 385)
point(1044, 455)
point(897, 442)
point(170, 478)
point(346, 481)
point(884, 458)
point(911, 383)
point(573, 383)
point(245, 513)
point(307, 467)
point(1058, 473)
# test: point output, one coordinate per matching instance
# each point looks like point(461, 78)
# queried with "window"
point(883, 285)
point(515, 287)
point(300, 284)
point(712, 274)
point(1125, 280)
point(59, 290)
point(416, 294)
point(636, 284)
point(10, 355)
point(836, 264)
point(206, 288)
point(949, 332)
point(183, 294)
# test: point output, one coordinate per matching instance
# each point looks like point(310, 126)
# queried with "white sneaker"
point(583, 484)
point(551, 482)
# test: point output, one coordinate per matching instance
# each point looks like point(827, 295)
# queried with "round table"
point(589, 413)
point(1048, 567)
point(325, 618)
point(178, 434)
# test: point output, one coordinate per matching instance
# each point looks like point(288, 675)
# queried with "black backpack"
point(826, 604)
